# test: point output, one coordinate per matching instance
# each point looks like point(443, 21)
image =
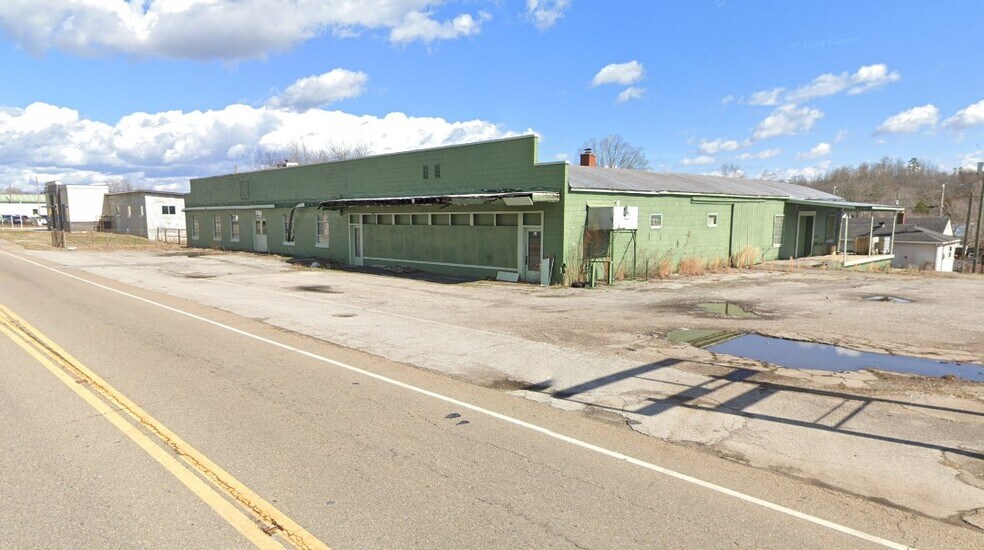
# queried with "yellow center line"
point(70, 371)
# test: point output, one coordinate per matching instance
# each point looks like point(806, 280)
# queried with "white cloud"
point(167, 148)
point(211, 29)
point(544, 13)
point(910, 121)
point(698, 160)
point(971, 115)
point(419, 26)
point(786, 121)
point(630, 93)
point(970, 160)
point(317, 91)
point(808, 172)
point(716, 146)
point(765, 154)
point(841, 136)
point(728, 99)
point(766, 97)
point(867, 77)
point(619, 73)
point(822, 149)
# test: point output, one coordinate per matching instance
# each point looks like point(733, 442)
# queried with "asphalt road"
point(262, 436)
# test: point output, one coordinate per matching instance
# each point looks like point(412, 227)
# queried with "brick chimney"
point(900, 217)
point(588, 158)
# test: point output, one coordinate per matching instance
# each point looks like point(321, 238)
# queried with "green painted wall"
point(826, 230)
point(684, 232)
point(503, 165)
point(497, 165)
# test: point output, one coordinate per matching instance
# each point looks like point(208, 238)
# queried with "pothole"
point(892, 299)
point(324, 289)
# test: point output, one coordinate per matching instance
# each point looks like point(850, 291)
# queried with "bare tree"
point(730, 170)
point(12, 189)
point(119, 185)
point(613, 151)
point(300, 153)
point(769, 175)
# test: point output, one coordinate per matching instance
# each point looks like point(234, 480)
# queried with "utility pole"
point(980, 211)
point(942, 196)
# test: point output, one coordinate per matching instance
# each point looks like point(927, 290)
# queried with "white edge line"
point(515, 421)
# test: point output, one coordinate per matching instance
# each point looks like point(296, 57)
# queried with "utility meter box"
point(613, 217)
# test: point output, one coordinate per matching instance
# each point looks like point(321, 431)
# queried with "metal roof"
point(22, 197)
point(585, 178)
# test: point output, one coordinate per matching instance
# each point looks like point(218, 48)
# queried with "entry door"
point(356, 245)
point(804, 245)
point(533, 255)
point(260, 235)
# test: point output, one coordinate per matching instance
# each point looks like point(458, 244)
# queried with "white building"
point(23, 204)
point(144, 213)
point(74, 207)
point(921, 248)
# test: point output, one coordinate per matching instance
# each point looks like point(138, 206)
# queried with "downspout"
point(289, 237)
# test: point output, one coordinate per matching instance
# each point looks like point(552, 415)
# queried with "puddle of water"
point(893, 299)
point(806, 355)
point(728, 308)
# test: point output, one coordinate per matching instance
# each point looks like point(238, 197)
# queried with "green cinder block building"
point(491, 210)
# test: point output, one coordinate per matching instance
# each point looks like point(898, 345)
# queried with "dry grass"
point(691, 266)
point(746, 257)
point(40, 239)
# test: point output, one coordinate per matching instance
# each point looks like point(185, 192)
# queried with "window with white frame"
point(217, 228)
point(234, 227)
point(194, 227)
point(655, 221)
point(321, 237)
point(288, 229)
point(712, 220)
point(129, 211)
point(777, 221)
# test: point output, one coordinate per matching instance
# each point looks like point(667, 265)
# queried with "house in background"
point(491, 209)
point(149, 214)
point(919, 242)
point(74, 207)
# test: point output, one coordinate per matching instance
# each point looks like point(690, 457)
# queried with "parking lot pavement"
point(914, 442)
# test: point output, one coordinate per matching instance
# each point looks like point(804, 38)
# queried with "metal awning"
point(847, 205)
point(511, 198)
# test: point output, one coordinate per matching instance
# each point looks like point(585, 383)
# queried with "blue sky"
point(160, 91)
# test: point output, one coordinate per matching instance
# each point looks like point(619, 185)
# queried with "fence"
point(171, 235)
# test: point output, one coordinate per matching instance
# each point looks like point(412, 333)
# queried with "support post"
point(980, 211)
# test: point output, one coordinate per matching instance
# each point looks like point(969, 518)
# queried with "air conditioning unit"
point(613, 217)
